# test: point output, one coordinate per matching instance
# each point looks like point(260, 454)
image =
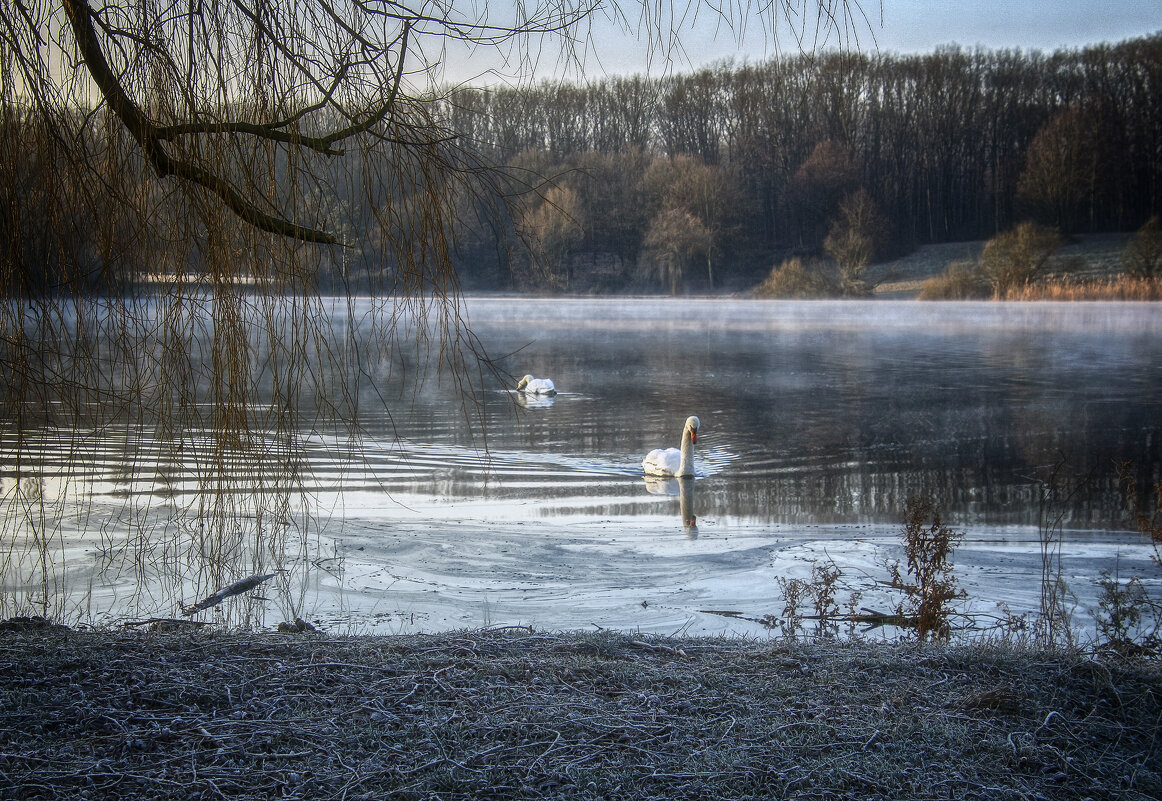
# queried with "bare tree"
point(1063, 167)
point(675, 237)
point(553, 228)
point(818, 186)
point(711, 195)
point(854, 237)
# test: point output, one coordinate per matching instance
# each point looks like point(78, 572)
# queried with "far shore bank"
point(1082, 259)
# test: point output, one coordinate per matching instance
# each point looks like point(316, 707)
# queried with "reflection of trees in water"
point(827, 420)
point(967, 496)
point(827, 432)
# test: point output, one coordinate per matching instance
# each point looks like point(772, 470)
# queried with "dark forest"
point(703, 181)
point(698, 182)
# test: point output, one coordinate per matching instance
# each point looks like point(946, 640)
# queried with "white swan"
point(536, 386)
point(671, 461)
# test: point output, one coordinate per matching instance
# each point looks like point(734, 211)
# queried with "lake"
point(819, 420)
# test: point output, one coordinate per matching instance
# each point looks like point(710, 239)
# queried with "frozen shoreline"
point(590, 576)
point(416, 565)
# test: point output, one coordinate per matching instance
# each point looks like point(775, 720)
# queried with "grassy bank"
point(1090, 267)
point(517, 714)
point(1086, 267)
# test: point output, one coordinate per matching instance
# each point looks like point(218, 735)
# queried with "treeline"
point(706, 180)
point(693, 182)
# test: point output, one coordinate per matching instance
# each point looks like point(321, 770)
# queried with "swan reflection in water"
point(682, 487)
point(529, 401)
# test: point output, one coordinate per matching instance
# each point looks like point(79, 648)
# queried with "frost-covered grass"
point(521, 714)
point(1086, 267)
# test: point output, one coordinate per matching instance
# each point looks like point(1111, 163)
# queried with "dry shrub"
point(1015, 258)
point(820, 591)
point(927, 548)
point(795, 278)
point(1012, 267)
point(1127, 617)
point(1143, 256)
point(795, 593)
point(961, 281)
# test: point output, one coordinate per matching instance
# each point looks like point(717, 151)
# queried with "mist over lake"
point(819, 420)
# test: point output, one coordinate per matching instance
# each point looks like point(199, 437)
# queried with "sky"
point(915, 26)
point(920, 26)
point(899, 26)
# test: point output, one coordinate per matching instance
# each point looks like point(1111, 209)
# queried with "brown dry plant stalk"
point(1145, 507)
point(928, 582)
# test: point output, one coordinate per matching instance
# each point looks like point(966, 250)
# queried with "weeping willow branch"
point(149, 136)
point(168, 325)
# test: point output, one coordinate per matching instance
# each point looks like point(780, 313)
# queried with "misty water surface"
point(821, 411)
point(819, 420)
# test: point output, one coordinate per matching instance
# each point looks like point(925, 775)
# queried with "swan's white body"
point(674, 461)
point(536, 386)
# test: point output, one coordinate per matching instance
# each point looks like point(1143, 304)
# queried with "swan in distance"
point(536, 386)
point(672, 461)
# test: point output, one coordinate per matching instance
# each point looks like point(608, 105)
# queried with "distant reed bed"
point(1122, 287)
point(961, 282)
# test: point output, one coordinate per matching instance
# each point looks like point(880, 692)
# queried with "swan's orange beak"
point(693, 435)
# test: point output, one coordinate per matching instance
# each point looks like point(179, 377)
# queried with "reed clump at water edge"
point(523, 714)
point(1117, 288)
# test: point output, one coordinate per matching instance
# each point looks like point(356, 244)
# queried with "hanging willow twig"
point(150, 136)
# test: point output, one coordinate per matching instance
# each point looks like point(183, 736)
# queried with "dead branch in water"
point(237, 588)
